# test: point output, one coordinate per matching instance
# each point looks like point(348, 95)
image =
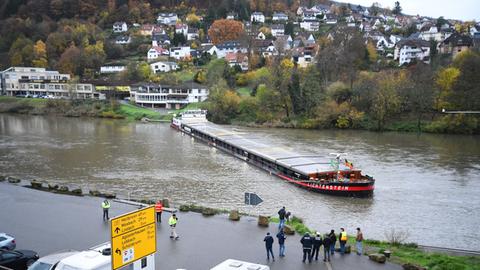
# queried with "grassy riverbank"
point(402, 253)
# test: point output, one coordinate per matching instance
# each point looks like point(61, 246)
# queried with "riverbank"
point(401, 253)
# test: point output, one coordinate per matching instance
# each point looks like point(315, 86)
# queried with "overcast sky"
point(450, 9)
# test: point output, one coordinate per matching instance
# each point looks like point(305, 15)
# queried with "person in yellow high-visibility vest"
point(172, 221)
point(105, 207)
point(343, 240)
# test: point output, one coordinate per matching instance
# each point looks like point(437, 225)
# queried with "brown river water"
point(427, 185)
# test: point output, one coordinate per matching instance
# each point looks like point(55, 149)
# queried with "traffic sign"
point(252, 199)
point(133, 236)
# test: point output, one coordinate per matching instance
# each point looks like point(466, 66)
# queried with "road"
point(47, 223)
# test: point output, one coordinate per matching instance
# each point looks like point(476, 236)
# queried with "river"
point(426, 185)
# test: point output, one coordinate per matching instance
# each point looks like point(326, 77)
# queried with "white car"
point(7, 241)
point(232, 264)
point(50, 262)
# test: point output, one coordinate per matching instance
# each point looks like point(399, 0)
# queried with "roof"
point(229, 44)
point(256, 13)
point(457, 39)
point(56, 257)
point(413, 42)
point(278, 26)
point(88, 260)
point(119, 23)
point(158, 49)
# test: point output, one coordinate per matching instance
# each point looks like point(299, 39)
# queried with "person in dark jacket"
point(281, 242)
point(307, 242)
point(268, 245)
point(317, 242)
point(281, 216)
point(327, 242)
point(333, 239)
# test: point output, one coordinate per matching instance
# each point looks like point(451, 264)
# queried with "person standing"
point(172, 221)
point(105, 207)
point(268, 245)
point(307, 247)
point(327, 242)
point(159, 210)
point(317, 242)
point(343, 240)
point(333, 241)
point(281, 242)
point(281, 216)
point(359, 242)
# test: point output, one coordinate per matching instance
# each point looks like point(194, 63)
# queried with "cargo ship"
point(333, 175)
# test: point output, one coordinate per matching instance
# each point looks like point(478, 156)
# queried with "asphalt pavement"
point(48, 223)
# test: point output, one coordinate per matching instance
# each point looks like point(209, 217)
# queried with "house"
point(168, 96)
point(309, 15)
point(455, 44)
point(162, 66)
point(431, 33)
point(146, 29)
point(192, 34)
point(304, 39)
point(181, 28)
point(34, 81)
point(158, 30)
point(278, 30)
point(119, 27)
point(473, 30)
point(161, 40)
point(310, 25)
point(331, 18)
point(264, 47)
point(303, 56)
point(180, 53)
point(230, 46)
point(237, 59)
point(167, 18)
point(231, 16)
point(261, 36)
point(283, 43)
point(157, 51)
point(111, 69)
point(279, 17)
point(208, 48)
point(257, 17)
point(407, 50)
point(123, 40)
point(321, 9)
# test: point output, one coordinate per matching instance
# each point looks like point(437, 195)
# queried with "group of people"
point(311, 244)
point(172, 221)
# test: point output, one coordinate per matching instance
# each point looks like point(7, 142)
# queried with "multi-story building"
point(167, 18)
point(407, 50)
point(278, 30)
point(32, 81)
point(163, 66)
point(119, 27)
point(168, 96)
point(257, 17)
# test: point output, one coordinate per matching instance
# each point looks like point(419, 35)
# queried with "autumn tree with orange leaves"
point(225, 30)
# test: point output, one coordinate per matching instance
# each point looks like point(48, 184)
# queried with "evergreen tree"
point(397, 10)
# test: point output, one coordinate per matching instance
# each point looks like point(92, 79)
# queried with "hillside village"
point(164, 61)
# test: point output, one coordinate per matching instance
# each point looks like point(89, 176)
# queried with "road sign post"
point(133, 236)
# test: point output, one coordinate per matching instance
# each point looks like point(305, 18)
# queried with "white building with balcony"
point(32, 81)
point(168, 96)
point(407, 50)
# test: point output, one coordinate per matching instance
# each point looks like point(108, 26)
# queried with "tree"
point(21, 52)
point(178, 39)
point(440, 22)
point(40, 54)
point(419, 94)
point(225, 30)
point(375, 9)
point(223, 104)
point(397, 10)
point(71, 61)
point(466, 89)
point(94, 55)
point(386, 100)
point(444, 81)
point(289, 27)
point(193, 20)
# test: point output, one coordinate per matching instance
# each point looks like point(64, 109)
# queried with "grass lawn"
point(244, 91)
point(136, 113)
point(186, 75)
point(35, 102)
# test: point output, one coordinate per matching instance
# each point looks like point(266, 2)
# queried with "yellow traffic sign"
point(133, 236)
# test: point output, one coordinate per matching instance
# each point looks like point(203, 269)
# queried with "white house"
point(408, 49)
point(278, 30)
point(331, 18)
point(123, 40)
point(112, 69)
point(229, 46)
point(261, 36)
point(181, 28)
point(192, 34)
point(180, 53)
point(231, 16)
point(310, 25)
point(161, 40)
point(167, 18)
point(208, 48)
point(257, 17)
point(279, 17)
point(157, 51)
point(161, 66)
point(168, 96)
point(237, 59)
point(119, 27)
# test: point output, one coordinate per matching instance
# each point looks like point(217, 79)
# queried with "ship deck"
point(300, 162)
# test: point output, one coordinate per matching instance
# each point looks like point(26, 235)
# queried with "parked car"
point(50, 262)
point(17, 259)
point(7, 241)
